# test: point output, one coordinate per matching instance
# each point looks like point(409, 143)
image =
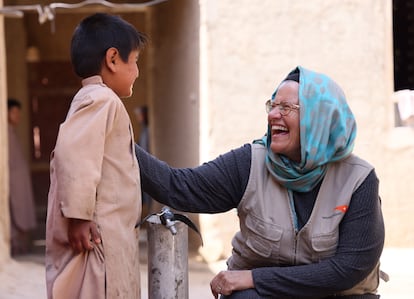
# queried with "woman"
point(310, 217)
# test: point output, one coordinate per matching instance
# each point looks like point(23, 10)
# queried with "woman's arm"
point(359, 249)
point(213, 187)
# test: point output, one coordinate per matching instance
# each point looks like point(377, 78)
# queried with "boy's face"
point(14, 116)
point(126, 75)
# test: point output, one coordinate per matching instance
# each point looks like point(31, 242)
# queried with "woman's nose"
point(274, 113)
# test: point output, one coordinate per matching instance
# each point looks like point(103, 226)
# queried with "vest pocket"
point(262, 238)
point(324, 246)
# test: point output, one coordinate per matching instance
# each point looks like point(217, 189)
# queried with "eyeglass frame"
point(284, 107)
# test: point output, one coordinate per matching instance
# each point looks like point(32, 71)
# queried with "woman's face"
point(285, 129)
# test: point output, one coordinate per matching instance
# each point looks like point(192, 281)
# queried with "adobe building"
point(205, 76)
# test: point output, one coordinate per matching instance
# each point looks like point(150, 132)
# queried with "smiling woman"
point(309, 209)
point(323, 132)
point(284, 121)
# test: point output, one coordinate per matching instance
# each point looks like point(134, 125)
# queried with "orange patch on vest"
point(342, 209)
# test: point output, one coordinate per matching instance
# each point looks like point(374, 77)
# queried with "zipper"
point(295, 224)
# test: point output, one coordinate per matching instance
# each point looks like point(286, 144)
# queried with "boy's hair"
point(95, 35)
point(11, 103)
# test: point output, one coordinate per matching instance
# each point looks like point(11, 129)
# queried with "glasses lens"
point(268, 106)
point(283, 109)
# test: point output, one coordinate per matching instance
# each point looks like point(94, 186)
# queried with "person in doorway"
point(310, 215)
point(94, 199)
point(141, 115)
point(21, 198)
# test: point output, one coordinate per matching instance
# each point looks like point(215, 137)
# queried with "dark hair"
point(144, 111)
point(13, 103)
point(293, 75)
point(95, 35)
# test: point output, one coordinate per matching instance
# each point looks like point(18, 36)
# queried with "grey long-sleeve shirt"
point(219, 185)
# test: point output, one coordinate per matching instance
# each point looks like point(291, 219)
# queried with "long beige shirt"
point(94, 176)
point(22, 206)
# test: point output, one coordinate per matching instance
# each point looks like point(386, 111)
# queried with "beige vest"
point(267, 234)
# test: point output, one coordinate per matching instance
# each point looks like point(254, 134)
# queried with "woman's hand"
point(228, 281)
point(82, 234)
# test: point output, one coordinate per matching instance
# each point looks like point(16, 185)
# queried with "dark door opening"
point(52, 86)
point(403, 35)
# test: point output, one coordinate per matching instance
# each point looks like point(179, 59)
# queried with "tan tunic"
point(22, 208)
point(94, 176)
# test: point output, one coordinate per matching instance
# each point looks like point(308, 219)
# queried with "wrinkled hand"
point(228, 281)
point(82, 234)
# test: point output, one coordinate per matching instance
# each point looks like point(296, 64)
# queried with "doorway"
point(403, 33)
point(51, 87)
point(40, 75)
point(403, 37)
point(168, 85)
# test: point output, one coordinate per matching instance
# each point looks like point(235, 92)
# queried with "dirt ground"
point(23, 278)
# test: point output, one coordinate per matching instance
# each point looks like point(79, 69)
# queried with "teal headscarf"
point(327, 133)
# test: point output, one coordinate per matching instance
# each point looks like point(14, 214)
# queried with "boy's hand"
point(81, 234)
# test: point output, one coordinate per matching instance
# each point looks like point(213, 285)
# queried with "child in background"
point(141, 115)
point(94, 199)
point(21, 197)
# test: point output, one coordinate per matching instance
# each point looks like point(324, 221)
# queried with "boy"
point(94, 198)
point(21, 197)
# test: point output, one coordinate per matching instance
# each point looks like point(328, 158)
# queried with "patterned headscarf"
point(327, 132)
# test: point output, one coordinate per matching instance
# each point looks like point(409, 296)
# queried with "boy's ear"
point(111, 58)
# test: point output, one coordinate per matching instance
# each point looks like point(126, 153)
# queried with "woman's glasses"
point(284, 107)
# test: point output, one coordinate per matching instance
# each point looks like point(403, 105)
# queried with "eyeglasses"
point(284, 108)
